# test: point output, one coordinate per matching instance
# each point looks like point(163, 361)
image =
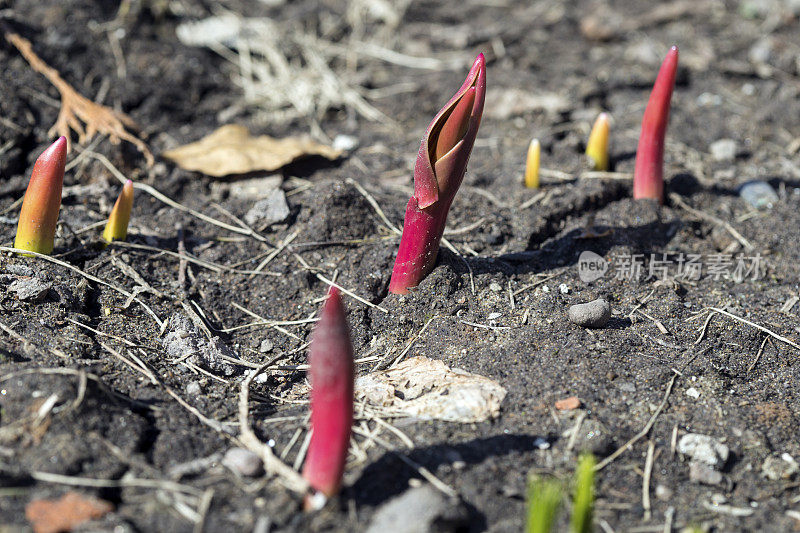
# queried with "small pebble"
point(702, 473)
point(266, 346)
point(494, 316)
point(421, 509)
point(270, 210)
point(545, 288)
point(663, 493)
point(30, 289)
point(345, 143)
point(779, 467)
point(494, 286)
point(194, 388)
point(243, 461)
point(723, 150)
point(563, 288)
point(568, 404)
point(704, 449)
point(594, 314)
point(759, 194)
point(691, 392)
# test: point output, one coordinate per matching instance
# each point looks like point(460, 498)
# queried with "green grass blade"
point(544, 499)
point(583, 500)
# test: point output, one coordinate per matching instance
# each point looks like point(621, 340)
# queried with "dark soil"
point(739, 79)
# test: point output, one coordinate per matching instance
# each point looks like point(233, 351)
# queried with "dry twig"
point(76, 108)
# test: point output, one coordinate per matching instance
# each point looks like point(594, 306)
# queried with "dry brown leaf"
point(429, 389)
point(72, 509)
point(231, 150)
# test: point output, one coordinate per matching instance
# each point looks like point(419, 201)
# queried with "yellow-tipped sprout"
point(532, 165)
point(117, 226)
point(597, 147)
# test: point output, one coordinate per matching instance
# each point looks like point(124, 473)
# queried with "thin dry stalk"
point(75, 108)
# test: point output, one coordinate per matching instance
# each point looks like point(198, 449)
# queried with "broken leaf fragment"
point(428, 389)
point(232, 150)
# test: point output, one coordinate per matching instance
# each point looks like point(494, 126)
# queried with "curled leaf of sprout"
point(117, 225)
point(532, 164)
point(38, 217)
point(332, 376)
point(597, 146)
point(438, 172)
point(648, 176)
point(448, 141)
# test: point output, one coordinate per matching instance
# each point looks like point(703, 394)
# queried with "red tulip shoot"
point(648, 177)
point(439, 170)
point(331, 373)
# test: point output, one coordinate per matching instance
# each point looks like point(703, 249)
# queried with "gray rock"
point(270, 210)
point(30, 289)
point(266, 346)
point(595, 437)
point(194, 388)
point(723, 150)
point(18, 269)
point(594, 314)
point(703, 473)
point(759, 194)
point(777, 467)
point(184, 339)
point(243, 462)
point(704, 449)
point(420, 510)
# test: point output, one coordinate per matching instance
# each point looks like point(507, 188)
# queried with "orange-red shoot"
point(38, 217)
point(648, 177)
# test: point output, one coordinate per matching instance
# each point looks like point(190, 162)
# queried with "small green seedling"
point(583, 499)
point(544, 500)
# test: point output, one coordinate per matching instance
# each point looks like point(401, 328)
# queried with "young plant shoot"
point(583, 499)
point(331, 374)
point(38, 217)
point(648, 176)
point(117, 225)
point(439, 170)
point(544, 500)
point(532, 164)
point(597, 146)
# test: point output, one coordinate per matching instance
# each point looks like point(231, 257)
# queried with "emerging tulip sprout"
point(117, 225)
point(532, 164)
point(332, 374)
point(597, 146)
point(648, 177)
point(38, 217)
point(440, 168)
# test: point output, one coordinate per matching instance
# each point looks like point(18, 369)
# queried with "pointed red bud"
point(648, 177)
point(438, 172)
point(38, 217)
point(332, 374)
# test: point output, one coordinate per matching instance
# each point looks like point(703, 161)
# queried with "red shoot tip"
point(648, 177)
point(332, 374)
